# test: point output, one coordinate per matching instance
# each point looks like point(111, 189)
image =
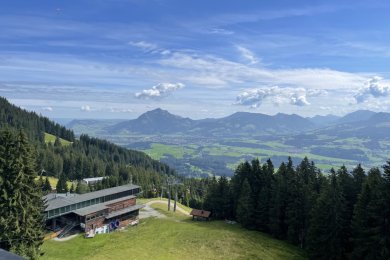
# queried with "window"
point(62, 210)
point(73, 207)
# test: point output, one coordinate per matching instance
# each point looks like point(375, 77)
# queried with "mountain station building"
point(94, 212)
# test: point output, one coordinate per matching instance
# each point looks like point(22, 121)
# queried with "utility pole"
point(174, 206)
point(169, 193)
point(169, 198)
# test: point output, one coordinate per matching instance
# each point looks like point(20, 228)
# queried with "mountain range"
point(359, 123)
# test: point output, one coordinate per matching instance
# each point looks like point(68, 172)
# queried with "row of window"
point(83, 204)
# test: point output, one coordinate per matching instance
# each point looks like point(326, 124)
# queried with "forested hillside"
point(34, 125)
point(85, 157)
point(344, 215)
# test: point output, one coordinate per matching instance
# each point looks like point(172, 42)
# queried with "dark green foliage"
point(338, 216)
point(82, 188)
point(326, 238)
point(46, 188)
point(62, 186)
point(21, 205)
point(368, 210)
point(86, 157)
point(245, 206)
point(33, 124)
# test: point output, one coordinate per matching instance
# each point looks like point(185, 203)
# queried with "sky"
point(198, 59)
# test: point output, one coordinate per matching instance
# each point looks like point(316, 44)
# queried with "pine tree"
point(359, 177)
point(62, 186)
point(245, 205)
point(46, 186)
point(384, 220)
point(277, 215)
point(325, 236)
point(365, 231)
point(21, 204)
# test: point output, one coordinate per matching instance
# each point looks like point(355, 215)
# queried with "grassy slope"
point(49, 138)
point(176, 237)
point(53, 182)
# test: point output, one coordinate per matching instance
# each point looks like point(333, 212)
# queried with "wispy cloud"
point(247, 54)
point(220, 31)
point(47, 109)
point(159, 91)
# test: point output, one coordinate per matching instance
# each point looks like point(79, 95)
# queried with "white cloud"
point(47, 109)
point(144, 45)
point(120, 110)
point(86, 108)
point(220, 31)
point(255, 97)
point(159, 91)
point(150, 47)
point(299, 100)
point(373, 88)
point(247, 54)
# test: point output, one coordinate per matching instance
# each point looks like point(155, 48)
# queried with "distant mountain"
point(160, 121)
point(373, 126)
point(324, 120)
point(360, 115)
point(157, 121)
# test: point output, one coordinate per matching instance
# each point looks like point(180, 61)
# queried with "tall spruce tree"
point(245, 207)
point(365, 229)
point(62, 186)
point(21, 204)
point(46, 186)
point(384, 220)
point(325, 237)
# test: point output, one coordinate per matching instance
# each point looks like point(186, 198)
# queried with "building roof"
point(9, 256)
point(90, 209)
point(55, 201)
point(200, 213)
point(98, 207)
point(123, 211)
point(87, 180)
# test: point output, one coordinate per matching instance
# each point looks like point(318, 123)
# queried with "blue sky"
point(120, 58)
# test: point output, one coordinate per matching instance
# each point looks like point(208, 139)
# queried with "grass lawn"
point(175, 237)
point(158, 151)
point(49, 138)
point(53, 182)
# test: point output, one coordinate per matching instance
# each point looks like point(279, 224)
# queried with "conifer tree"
point(62, 186)
point(365, 230)
point(21, 204)
point(325, 237)
point(384, 217)
point(245, 206)
point(46, 186)
point(359, 177)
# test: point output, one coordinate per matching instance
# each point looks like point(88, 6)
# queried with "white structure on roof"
point(92, 180)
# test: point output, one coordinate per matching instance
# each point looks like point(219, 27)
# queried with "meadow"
point(174, 237)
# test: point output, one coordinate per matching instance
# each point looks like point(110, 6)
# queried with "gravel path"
point(148, 211)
